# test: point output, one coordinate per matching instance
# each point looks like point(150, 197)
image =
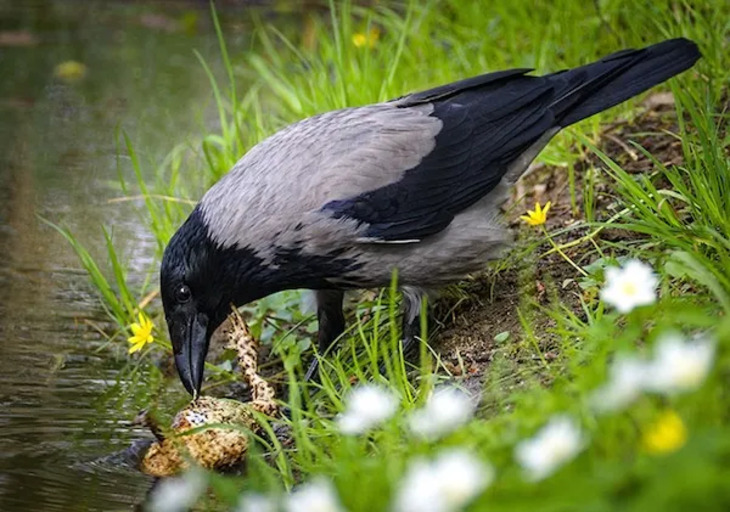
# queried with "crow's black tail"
point(587, 90)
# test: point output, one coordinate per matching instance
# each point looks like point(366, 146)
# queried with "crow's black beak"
point(190, 344)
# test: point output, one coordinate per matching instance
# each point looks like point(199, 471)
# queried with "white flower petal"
point(419, 491)
point(366, 407)
point(627, 379)
point(461, 477)
point(353, 424)
point(679, 365)
point(316, 496)
point(629, 287)
point(178, 494)
point(555, 444)
point(446, 484)
point(446, 409)
point(255, 502)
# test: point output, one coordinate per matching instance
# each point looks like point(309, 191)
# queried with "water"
point(62, 400)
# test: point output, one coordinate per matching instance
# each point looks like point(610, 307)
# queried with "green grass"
point(681, 213)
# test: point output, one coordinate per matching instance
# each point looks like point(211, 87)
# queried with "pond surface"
point(62, 403)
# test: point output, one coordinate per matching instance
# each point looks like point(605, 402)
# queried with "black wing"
point(488, 122)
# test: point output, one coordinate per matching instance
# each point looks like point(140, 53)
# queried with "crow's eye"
point(182, 293)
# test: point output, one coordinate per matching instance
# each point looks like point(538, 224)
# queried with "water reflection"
point(58, 159)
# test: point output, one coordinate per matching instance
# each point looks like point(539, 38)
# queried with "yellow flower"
point(538, 216)
point(142, 333)
point(70, 71)
point(359, 39)
point(666, 435)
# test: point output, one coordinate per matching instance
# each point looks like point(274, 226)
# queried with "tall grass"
point(115, 295)
point(688, 218)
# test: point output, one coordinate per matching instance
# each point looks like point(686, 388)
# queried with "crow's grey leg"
point(331, 320)
point(412, 303)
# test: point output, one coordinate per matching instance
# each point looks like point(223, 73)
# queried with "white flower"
point(366, 407)
point(556, 443)
point(255, 502)
point(445, 484)
point(461, 477)
point(445, 410)
point(631, 286)
point(316, 496)
point(627, 379)
point(679, 365)
point(178, 494)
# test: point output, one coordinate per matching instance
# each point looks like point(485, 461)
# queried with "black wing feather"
point(488, 121)
point(481, 131)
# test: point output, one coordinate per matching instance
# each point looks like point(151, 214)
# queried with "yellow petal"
point(134, 348)
point(547, 207)
point(70, 71)
point(136, 328)
point(668, 434)
point(530, 219)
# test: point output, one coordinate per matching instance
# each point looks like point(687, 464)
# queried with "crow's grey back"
point(276, 191)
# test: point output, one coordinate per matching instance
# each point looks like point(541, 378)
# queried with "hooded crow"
point(342, 199)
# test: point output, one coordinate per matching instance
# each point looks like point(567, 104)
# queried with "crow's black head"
point(198, 281)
